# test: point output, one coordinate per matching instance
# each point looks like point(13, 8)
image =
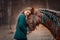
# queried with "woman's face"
point(27, 12)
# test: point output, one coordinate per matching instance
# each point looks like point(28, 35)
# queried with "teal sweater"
point(21, 29)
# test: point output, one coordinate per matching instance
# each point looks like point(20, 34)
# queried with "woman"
point(21, 29)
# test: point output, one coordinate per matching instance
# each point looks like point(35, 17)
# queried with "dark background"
point(9, 9)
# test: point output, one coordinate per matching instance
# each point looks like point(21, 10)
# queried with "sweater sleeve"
point(22, 24)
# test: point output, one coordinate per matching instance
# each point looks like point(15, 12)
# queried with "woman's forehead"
point(28, 11)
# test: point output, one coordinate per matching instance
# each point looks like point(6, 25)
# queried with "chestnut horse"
point(38, 17)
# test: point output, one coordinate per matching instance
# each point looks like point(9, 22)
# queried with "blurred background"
point(9, 9)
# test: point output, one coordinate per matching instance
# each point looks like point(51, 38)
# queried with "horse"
point(40, 18)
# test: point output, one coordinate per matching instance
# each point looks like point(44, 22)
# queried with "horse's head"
point(33, 20)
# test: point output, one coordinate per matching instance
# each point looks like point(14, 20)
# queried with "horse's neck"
point(50, 24)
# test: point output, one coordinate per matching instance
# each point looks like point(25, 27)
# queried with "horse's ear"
point(32, 10)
